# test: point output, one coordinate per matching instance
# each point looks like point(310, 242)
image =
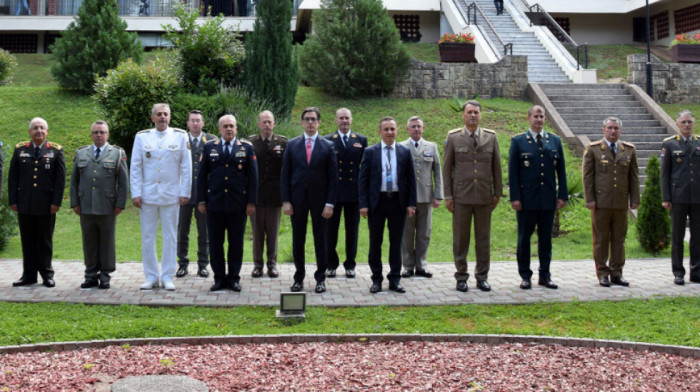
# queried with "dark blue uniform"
point(227, 185)
point(349, 156)
point(537, 178)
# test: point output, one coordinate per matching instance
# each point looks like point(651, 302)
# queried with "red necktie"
point(308, 150)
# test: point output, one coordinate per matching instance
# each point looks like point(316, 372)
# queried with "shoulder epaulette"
point(179, 130)
point(217, 141)
point(595, 143)
point(254, 137)
point(279, 136)
point(144, 131)
point(84, 147)
point(246, 141)
point(628, 144)
point(455, 130)
point(671, 138)
point(488, 130)
point(22, 144)
point(54, 145)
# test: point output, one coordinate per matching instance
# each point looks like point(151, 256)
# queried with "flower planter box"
point(684, 53)
point(458, 53)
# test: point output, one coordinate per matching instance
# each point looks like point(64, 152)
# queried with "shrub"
point(7, 64)
point(94, 43)
point(210, 55)
point(653, 223)
point(272, 69)
point(356, 50)
point(8, 223)
point(126, 94)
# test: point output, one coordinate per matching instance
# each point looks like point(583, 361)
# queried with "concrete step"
point(585, 98)
point(631, 125)
point(600, 104)
point(631, 138)
point(625, 118)
point(631, 131)
point(618, 111)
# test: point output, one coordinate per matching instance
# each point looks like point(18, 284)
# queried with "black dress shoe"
point(218, 286)
point(49, 283)
point(376, 287)
point(257, 272)
point(272, 272)
point(350, 273)
point(104, 285)
point(679, 280)
point(407, 273)
point(483, 285)
point(619, 280)
point(547, 283)
point(235, 286)
point(526, 284)
point(89, 283)
point(320, 287)
point(297, 286)
point(462, 286)
point(203, 273)
point(604, 281)
point(397, 287)
point(330, 273)
point(23, 282)
point(182, 271)
point(694, 280)
point(424, 273)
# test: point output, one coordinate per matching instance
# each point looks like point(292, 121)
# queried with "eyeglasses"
point(686, 122)
point(310, 119)
point(99, 132)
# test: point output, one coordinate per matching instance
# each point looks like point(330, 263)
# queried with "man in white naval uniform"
point(161, 178)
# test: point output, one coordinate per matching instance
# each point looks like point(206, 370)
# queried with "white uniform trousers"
point(149, 229)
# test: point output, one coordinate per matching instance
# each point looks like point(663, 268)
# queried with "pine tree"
point(272, 69)
point(94, 42)
point(356, 50)
point(653, 223)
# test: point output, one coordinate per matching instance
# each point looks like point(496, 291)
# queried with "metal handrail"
point(492, 38)
point(540, 17)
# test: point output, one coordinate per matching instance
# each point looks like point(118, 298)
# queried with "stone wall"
point(672, 82)
point(506, 78)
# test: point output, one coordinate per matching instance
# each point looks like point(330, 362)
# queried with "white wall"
point(429, 24)
point(390, 5)
point(595, 6)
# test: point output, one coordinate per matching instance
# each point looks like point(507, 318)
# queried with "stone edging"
point(362, 338)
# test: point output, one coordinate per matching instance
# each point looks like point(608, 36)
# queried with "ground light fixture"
point(292, 305)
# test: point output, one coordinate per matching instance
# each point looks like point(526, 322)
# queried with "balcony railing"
point(156, 8)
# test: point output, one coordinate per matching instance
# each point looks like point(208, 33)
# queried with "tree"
point(96, 41)
point(356, 50)
point(210, 55)
point(653, 223)
point(272, 69)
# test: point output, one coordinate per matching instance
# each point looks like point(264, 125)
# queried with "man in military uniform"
point(265, 221)
point(610, 186)
point(473, 185)
point(416, 237)
point(161, 177)
point(195, 123)
point(98, 193)
point(537, 178)
point(680, 189)
point(35, 187)
point(349, 147)
point(227, 191)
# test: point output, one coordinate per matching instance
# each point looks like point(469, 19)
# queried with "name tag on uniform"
point(25, 155)
point(173, 147)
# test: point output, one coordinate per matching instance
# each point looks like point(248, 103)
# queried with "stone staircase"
point(541, 65)
point(583, 107)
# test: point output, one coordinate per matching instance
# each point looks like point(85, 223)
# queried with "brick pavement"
point(576, 280)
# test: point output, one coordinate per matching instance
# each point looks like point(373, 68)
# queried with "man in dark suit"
point(227, 189)
point(99, 185)
point(610, 188)
point(349, 147)
point(680, 189)
point(537, 178)
point(35, 187)
point(269, 150)
point(309, 184)
point(387, 195)
point(195, 123)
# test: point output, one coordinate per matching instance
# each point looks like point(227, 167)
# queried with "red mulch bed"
point(374, 366)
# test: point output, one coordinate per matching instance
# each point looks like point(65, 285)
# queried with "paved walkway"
point(576, 280)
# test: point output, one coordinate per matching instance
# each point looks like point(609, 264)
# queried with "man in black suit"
point(387, 194)
point(309, 182)
point(35, 187)
point(349, 147)
point(227, 189)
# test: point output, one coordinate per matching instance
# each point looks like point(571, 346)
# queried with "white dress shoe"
point(169, 285)
point(149, 285)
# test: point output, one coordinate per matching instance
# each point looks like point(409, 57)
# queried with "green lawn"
point(665, 320)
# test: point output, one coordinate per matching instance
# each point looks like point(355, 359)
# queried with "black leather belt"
point(389, 195)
